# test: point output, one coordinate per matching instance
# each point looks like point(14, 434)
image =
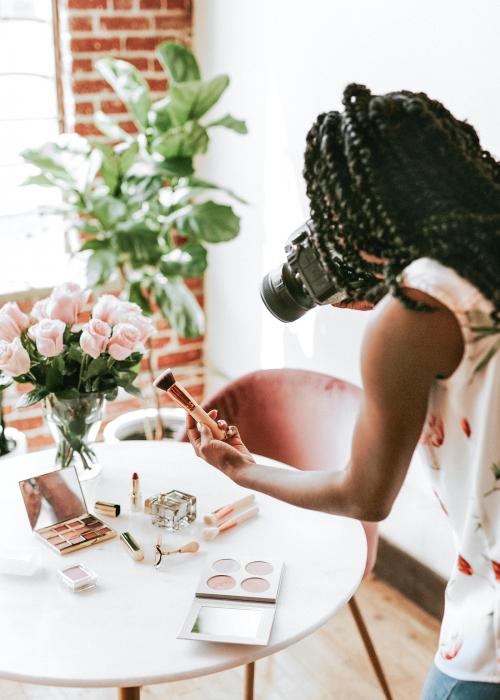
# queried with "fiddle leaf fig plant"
point(141, 210)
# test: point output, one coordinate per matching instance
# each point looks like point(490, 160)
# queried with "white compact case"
point(235, 600)
point(78, 577)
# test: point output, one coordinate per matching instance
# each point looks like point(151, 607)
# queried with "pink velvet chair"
point(306, 420)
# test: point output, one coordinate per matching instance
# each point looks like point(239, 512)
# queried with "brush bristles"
point(165, 380)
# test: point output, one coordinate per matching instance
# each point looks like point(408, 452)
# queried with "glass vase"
point(74, 424)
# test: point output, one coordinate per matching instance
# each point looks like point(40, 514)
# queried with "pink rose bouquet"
point(47, 348)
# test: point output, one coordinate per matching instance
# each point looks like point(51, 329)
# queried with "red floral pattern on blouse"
point(433, 433)
point(464, 566)
point(465, 425)
point(496, 569)
point(450, 649)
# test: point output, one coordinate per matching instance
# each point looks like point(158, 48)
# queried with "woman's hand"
point(230, 456)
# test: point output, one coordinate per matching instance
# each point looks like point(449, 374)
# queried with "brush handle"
point(202, 417)
point(190, 547)
point(240, 519)
point(218, 516)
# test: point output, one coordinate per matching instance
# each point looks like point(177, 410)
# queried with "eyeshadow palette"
point(58, 513)
point(235, 601)
point(248, 578)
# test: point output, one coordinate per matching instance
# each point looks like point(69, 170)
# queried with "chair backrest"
point(302, 418)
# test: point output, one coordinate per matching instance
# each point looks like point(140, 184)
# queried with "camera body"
point(302, 282)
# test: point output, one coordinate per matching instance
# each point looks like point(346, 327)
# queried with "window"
point(29, 116)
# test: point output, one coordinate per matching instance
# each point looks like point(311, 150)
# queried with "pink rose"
point(143, 324)
point(94, 337)
point(105, 308)
point(64, 304)
point(12, 321)
point(48, 336)
point(114, 311)
point(124, 341)
point(14, 360)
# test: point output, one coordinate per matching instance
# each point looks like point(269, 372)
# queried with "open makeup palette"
point(235, 601)
point(58, 513)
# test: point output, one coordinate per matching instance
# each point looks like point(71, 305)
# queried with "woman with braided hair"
point(405, 196)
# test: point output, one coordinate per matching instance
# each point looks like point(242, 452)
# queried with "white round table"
point(123, 632)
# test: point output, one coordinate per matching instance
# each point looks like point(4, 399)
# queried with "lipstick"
point(166, 382)
point(135, 494)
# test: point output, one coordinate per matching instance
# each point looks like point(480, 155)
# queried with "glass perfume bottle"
point(173, 510)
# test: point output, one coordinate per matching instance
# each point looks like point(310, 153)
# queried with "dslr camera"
point(302, 281)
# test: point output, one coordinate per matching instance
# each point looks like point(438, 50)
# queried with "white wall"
point(290, 60)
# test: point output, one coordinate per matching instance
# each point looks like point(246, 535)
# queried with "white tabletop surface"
point(123, 633)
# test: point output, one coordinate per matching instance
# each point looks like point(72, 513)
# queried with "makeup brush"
point(166, 382)
point(210, 533)
point(218, 516)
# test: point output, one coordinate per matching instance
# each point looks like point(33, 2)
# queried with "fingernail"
point(198, 425)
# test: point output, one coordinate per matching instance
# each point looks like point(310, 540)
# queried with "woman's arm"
point(403, 353)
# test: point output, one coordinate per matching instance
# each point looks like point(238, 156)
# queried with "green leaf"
point(49, 159)
point(111, 394)
point(96, 367)
point(140, 242)
point(159, 116)
point(209, 93)
point(209, 221)
point(41, 180)
point(75, 353)
point(5, 381)
point(136, 296)
point(96, 244)
point(110, 166)
point(130, 87)
point(70, 393)
point(109, 127)
point(189, 187)
point(193, 99)
point(108, 210)
point(230, 122)
point(179, 307)
point(32, 397)
point(54, 380)
point(180, 167)
point(178, 61)
point(140, 189)
point(131, 389)
point(190, 260)
point(127, 156)
point(100, 266)
point(182, 141)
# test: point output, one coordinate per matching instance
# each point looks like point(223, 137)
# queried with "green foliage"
point(144, 213)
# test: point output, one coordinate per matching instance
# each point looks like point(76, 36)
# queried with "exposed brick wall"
point(130, 30)
point(126, 29)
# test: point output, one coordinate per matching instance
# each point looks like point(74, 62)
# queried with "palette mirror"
point(58, 514)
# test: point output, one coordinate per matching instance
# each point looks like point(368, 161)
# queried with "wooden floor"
point(329, 665)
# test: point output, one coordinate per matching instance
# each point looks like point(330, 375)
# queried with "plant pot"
point(133, 425)
point(19, 441)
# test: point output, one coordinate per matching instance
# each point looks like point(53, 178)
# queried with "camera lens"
point(284, 296)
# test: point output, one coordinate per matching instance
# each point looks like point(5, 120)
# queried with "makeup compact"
point(78, 577)
point(235, 601)
point(58, 514)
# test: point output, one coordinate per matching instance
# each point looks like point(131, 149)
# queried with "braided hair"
point(398, 177)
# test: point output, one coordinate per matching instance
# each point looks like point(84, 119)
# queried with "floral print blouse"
point(461, 445)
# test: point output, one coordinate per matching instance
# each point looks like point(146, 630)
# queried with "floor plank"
point(331, 663)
